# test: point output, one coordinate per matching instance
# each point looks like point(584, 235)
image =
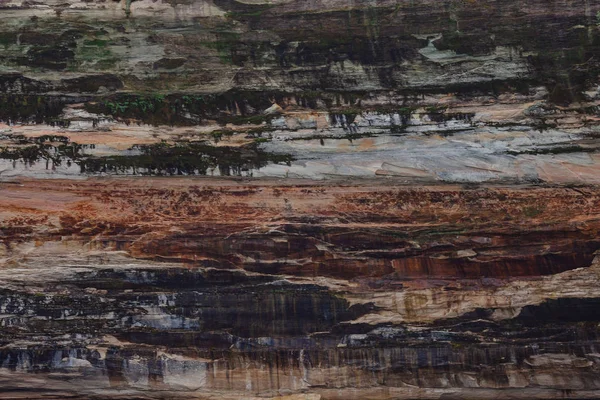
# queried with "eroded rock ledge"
point(454, 91)
point(299, 199)
point(167, 288)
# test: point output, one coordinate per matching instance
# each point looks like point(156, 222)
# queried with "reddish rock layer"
point(345, 231)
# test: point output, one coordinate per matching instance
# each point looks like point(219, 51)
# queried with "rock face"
point(299, 199)
point(457, 91)
point(202, 289)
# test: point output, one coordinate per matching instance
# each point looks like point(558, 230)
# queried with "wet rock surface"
point(458, 91)
point(157, 288)
point(299, 200)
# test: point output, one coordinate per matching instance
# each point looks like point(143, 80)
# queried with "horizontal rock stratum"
point(212, 288)
point(454, 91)
point(299, 199)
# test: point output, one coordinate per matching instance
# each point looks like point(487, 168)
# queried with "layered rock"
point(459, 91)
point(357, 199)
point(153, 288)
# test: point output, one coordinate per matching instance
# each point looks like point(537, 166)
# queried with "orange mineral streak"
point(361, 231)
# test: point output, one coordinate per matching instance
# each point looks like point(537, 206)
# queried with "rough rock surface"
point(457, 90)
point(224, 289)
point(299, 199)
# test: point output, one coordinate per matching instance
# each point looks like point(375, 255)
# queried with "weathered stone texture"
point(299, 199)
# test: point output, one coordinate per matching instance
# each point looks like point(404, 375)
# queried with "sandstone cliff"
point(299, 199)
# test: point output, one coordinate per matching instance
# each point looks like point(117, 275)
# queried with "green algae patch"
point(233, 107)
point(160, 159)
point(184, 159)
